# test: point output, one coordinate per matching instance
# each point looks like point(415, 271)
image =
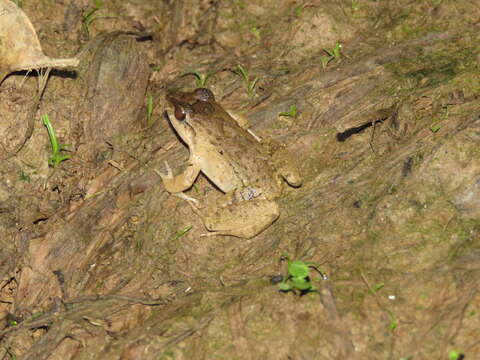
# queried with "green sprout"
point(56, 158)
point(290, 113)
point(354, 5)
point(324, 59)
point(298, 11)
point(434, 128)
point(378, 287)
point(455, 355)
point(89, 17)
point(333, 54)
point(181, 232)
point(249, 84)
point(240, 4)
point(335, 51)
point(298, 278)
point(149, 110)
point(201, 79)
point(24, 177)
point(255, 31)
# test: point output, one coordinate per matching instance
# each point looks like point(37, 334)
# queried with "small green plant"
point(292, 112)
point(89, 17)
point(24, 177)
point(56, 158)
point(335, 51)
point(249, 84)
point(333, 54)
point(298, 11)
point(298, 278)
point(149, 110)
point(378, 287)
point(435, 127)
point(324, 59)
point(455, 355)
point(255, 31)
point(354, 5)
point(201, 80)
point(181, 232)
point(240, 4)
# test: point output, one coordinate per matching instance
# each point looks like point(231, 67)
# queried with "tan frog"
point(234, 159)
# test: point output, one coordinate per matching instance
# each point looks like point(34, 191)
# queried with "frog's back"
point(250, 160)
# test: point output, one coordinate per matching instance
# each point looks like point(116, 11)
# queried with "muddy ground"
point(98, 261)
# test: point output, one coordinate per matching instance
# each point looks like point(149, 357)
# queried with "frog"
point(250, 171)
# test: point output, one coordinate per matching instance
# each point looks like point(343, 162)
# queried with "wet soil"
point(98, 261)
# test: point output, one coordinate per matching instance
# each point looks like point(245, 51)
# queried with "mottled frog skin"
point(244, 168)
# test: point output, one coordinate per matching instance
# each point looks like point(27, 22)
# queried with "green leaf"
point(201, 79)
point(298, 268)
point(242, 72)
point(149, 110)
point(378, 287)
point(255, 31)
point(454, 355)
point(301, 284)
point(291, 113)
point(181, 232)
point(55, 158)
point(435, 128)
point(284, 286)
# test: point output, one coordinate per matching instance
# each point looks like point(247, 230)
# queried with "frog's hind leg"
point(244, 219)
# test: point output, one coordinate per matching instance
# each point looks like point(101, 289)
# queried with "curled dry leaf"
point(19, 45)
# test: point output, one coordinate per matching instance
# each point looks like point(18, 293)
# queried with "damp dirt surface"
point(381, 109)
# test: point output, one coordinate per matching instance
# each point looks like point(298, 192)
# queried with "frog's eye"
point(204, 94)
point(180, 114)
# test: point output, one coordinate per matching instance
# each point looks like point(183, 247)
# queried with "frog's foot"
point(167, 178)
point(245, 219)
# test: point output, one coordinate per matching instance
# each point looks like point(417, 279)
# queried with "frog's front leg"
point(181, 182)
point(244, 219)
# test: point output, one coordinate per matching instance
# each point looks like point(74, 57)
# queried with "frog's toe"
point(190, 199)
point(165, 176)
point(169, 173)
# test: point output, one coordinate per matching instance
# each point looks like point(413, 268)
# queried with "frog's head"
point(189, 112)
